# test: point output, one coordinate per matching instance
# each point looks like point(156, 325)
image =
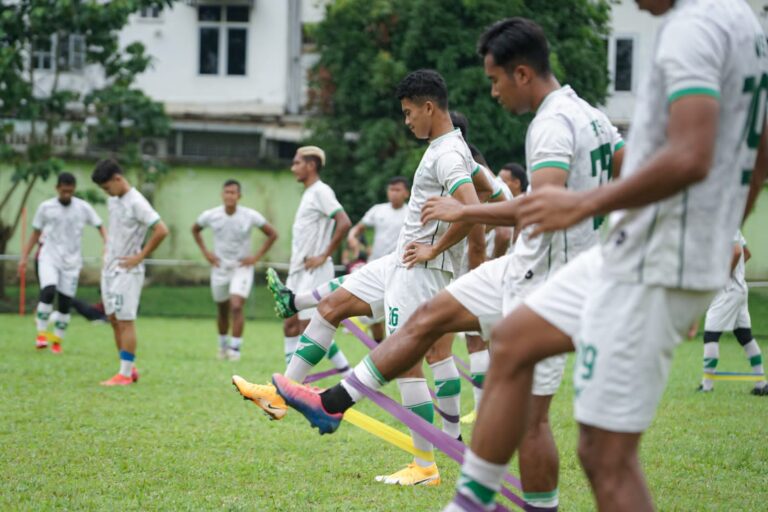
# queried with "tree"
point(367, 46)
point(41, 43)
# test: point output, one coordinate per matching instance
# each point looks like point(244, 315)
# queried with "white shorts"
point(408, 288)
point(121, 293)
point(368, 283)
point(624, 333)
point(307, 280)
point(231, 281)
point(729, 310)
point(50, 274)
point(485, 292)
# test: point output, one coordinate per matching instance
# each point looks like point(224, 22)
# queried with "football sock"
point(311, 348)
point(415, 397)
point(711, 358)
point(479, 482)
point(541, 501)
point(448, 392)
point(126, 363)
point(235, 343)
point(289, 346)
point(337, 357)
point(310, 299)
point(42, 316)
point(60, 325)
point(223, 341)
point(478, 367)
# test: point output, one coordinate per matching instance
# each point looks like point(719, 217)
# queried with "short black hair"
point(315, 159)
point(400, 179)
point(232, 182)
point(516, 41)
point(461, 122)
point(105, 170)
point(424, 85)
point(66, 178)
point(518, 172)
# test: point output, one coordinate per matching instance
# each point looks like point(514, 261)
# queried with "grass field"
point(182, 439)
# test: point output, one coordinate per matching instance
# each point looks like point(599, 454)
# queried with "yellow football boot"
point(264, 396)
point(413, 474)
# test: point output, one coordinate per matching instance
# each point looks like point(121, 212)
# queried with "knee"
point(47, 294)
point(510, 353)
point(332, 309)
point(236, 308)
point(65, 304)
point(291, 326)
point(425, 321)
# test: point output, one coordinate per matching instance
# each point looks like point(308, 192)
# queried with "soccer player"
point(515, 177)
point(231, 261)
point(427, 255)
point(318, 229)
point(730, 311)
point(569, 144)
point(60, 220)
point(122, 276)
point(696, 161)
point(386, 219)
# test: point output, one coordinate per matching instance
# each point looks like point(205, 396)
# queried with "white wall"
point(173, 41)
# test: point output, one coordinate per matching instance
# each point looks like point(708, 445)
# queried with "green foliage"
point(368, 46)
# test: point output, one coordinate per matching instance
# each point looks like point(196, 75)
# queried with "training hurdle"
point(439, 439)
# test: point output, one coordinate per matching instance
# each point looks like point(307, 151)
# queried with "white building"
point(630, 51)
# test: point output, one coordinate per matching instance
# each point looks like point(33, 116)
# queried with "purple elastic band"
point(451, 418)
point(320, 375)
point(442, 441)
point(466, 504)
point(461, 362)
point(316, 295)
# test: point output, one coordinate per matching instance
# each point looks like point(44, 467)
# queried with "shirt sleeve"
point(497, 191)
point(92, 217)
point(145, 213)
point(39, 219)
point(690, 57)
point(369, 219)
point(257, 219)
point(452, 171)
point(618, 141)
point(551, 144)
point(204, 220)
point(328, 203)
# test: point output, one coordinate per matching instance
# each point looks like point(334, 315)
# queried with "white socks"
point(42, 316)
point(311, 348)
point(448, 391)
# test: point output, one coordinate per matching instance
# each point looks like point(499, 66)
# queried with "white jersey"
point(490, 236)
point(446, 165)
point(738, 281)
point(704, 47)
point(130, 217)
point(386, 223)
point(61, 229)
point(496, 187)
point(313, 225)
point(231, 233)
point(570, 134)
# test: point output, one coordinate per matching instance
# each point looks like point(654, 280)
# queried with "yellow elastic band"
point(742, 378)
point(386, 433)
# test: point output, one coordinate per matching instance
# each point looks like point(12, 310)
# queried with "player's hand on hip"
point(415, 253)
point(551, 209)
point(312, 262)
point(441, 208)
point(128, 262)
point(212, 259)
point(248, 261)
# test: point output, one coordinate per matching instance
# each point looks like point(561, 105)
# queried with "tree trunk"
point(3, 244)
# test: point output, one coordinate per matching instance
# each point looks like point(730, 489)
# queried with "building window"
point(69, 51)
point(223, 39)
point(151, 13)
point(42, 53)
point(622, 71)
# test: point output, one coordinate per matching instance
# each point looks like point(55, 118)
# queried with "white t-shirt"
point(130, 217)
point(313, 225)
point(445, 165)
point(738, 279)
point(709, 47)
point(570, 134)
point(386, 223)
point(231, 233)
point(496, 186)
point(490, 236)
point(61, 228)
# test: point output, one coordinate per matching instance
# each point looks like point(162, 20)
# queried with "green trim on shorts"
point(694, 91)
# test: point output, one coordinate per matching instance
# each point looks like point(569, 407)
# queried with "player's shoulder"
point(321, 188)
point(251, 212)
point(214, 211)
point(49, 203)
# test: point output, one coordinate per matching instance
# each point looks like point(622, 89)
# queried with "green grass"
point(182, 439)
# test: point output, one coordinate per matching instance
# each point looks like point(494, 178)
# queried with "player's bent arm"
point(735, 256)
point(501, 241)
point(272, 236)
point(342, 227)
point(103, 232)
point(747, 254)
point(354, 234)
point(684, 160)
point(465, 195)
point(196, 229)
point(483, 186)
point(476, 246)
point(759, 173)
point(159, 232)
point(618, 159)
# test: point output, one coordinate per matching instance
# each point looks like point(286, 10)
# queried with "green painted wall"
point(180, 198)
